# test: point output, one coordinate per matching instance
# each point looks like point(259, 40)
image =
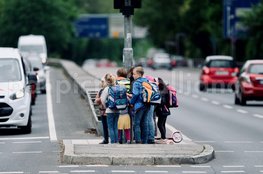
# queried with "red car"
point(218, 71)
point(250, 82)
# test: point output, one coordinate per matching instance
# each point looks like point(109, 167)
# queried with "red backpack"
point(173, 102)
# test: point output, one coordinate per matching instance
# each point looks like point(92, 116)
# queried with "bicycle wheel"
point(177, 137)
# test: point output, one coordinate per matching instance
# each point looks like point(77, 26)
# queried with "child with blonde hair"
point(112, 115)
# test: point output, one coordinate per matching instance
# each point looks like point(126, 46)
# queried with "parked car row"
point(221, 71)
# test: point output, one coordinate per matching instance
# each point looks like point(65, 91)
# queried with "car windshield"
point(256, 69)
point(221, 64)
point(31, 48)
point(9, 70)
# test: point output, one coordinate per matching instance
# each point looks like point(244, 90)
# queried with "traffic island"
point(85, 153)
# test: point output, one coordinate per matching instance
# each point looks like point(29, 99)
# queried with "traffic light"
point(127, 6)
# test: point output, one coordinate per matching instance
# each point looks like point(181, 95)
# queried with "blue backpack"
point(117, 99)
point(150, 93)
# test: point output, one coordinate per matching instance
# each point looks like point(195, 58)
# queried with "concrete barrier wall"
point(87, 86)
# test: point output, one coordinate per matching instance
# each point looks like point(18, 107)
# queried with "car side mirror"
point(35, 69)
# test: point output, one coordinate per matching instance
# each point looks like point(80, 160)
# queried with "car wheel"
point(202, 87)
point(27, 129)
point(237, 101)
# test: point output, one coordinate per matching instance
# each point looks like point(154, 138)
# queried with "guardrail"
point(87, 86)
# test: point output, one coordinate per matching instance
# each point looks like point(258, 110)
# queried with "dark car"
point(218, 71)
point(249, 85)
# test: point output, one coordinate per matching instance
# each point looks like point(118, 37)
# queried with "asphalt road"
point(235, 132)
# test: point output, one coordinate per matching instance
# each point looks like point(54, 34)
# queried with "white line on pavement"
point(200, 166)
point(97, 165)
point(68, 166)
point(258, 115)
point(195, 96)
point(259, 166)
point(48, 172)
point(236, 166)
point(168, 166)
point(204, 99)
point(122, 171)
point(224, 151)
point(51, 121)
point(215, 102)
point(242, 111)
point(82, 171)
point(237, 171)
point(228, 106)
point(153, 171)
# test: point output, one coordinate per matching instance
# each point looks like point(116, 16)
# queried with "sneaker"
point(104, 142)
point(151, 142)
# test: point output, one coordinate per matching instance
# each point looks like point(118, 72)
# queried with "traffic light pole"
point(127, 50)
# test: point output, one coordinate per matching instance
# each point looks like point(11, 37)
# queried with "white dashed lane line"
point(26, 142)
point(258, 115)
point(82, 171)
point(122, 171)
point(227, 106)
point(242, 111)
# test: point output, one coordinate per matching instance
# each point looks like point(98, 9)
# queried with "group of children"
point(140, 114)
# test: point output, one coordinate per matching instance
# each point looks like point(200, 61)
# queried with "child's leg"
point(127, 134)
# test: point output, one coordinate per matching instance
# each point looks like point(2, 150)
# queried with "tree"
point(254, 22)
point(53, 19)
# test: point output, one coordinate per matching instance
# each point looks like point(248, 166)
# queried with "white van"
point(35, 44)
point(15, 94)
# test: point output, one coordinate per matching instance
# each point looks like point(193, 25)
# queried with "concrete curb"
point(70, 157)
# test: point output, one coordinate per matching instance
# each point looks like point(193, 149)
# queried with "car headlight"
point(19, 94)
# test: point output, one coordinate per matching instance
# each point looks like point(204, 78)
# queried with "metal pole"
point(127, 50)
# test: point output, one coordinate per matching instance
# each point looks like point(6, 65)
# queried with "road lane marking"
point(194, 172)
point(155, 171)
point(122, 171)
point(26, 142)
point(258, 115)
point(237, 171)
point(258, 166)
point(236, 166)
point(24, 138)
point(227, 106)
point(51, 121)
point(242, 111)
point(224, 151)
point(82, 171)
point(215, 102)
point(48, 172)
point(204, 99)
point(2, 142)
point(28, 152)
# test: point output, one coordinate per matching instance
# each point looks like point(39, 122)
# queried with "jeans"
point(105, 128)
point(151, 125)
point(112, 119)
point(141, 125)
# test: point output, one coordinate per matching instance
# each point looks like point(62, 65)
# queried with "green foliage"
point(254, 21)
point(46, 17)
